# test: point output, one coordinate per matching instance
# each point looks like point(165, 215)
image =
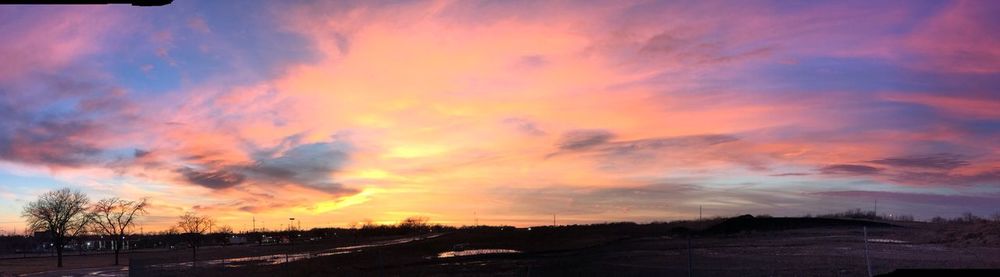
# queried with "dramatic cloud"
point(849, 169)
point(936, 161)
point(309, 164)
point(46, 143)
point(583, 139)
point(214, 179)
point(631, 155)
point(674, 46)
point(340, 111)
point(62, 121)
point(654, 144)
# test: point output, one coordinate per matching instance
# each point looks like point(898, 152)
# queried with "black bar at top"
point(145, 3)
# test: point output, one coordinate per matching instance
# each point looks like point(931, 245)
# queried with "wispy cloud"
point(849, 169)
point(935, 161)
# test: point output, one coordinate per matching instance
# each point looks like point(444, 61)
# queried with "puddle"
point(472, 252)
point(110, 273)
point(287, 258)
point(888, 241)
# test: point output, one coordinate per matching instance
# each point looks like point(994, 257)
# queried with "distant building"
point(237, 240)
point(42, 235)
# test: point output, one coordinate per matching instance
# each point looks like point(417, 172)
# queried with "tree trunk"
point(194, 255)
point(58, 254)
point(118, 249)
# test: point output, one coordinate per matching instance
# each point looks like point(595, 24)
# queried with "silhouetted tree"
point(62, 213)
point(968, 217)
point(225, 230)
point(113, 217)
point(193, 227)
point(415, 224)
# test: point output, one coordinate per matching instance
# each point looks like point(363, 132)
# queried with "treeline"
point(409, 225)
point(967, 218)
point(865, 214)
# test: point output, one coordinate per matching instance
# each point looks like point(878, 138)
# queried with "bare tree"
point(113, 217)
point(193, 227)
point(82, 229)
point(415, 223)
point(225, 230)
point(62, 213)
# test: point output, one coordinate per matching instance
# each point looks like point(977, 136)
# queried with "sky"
point(505, 112)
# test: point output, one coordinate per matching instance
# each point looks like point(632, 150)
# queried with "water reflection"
point(472, 252)
point(287, 258)
point(888, 241)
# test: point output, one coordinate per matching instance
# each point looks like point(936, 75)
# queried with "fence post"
point(868, 260)
point(690, 258)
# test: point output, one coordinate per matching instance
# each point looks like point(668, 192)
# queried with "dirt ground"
point(615, 250)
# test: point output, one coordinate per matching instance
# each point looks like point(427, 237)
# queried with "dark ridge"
point(746, 223)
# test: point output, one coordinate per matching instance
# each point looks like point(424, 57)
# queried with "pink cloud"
point(960, 39)
point(32, 45)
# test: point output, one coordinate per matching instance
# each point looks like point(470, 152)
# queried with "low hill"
point(746, 223)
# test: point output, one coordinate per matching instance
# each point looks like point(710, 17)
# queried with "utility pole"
point(254, 226)
point(553, 219)
point(699, 212)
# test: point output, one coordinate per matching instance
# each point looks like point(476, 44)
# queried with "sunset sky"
point(595, 111)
